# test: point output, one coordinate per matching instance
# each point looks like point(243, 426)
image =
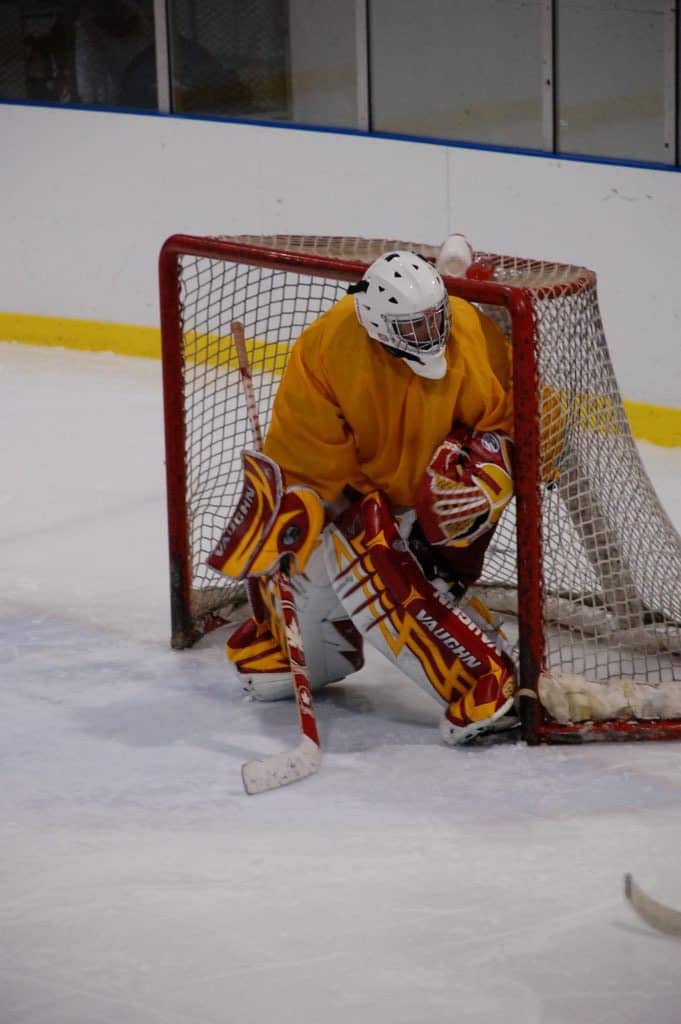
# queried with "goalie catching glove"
point(270, 522)
point(466, 487)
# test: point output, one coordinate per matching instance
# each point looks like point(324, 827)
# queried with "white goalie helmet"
point(402, 302)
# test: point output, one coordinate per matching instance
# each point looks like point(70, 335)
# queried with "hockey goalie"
point(383, 475)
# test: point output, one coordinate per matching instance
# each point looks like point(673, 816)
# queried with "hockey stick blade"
point(657, 915)
point(280, 769)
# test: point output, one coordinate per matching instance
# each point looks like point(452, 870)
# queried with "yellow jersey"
point(347, 411)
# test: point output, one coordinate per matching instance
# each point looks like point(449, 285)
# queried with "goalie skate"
point(457, 728)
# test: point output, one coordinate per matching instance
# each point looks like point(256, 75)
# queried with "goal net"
point(585, 566)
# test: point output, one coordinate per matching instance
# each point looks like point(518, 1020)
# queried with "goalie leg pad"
point(418, 628)
point(257, 648)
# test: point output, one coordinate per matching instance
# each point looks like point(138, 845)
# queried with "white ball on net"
point(455, 256)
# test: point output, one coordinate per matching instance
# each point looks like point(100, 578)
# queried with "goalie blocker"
point(363, 582)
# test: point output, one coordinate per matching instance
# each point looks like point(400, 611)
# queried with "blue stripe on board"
point(393, 136)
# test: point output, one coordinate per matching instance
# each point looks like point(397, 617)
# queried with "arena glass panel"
point(451, 69)
point(96, 53)
point(267, 59)
point(612, 79)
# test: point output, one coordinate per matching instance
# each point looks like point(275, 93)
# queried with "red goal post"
point(594, 609)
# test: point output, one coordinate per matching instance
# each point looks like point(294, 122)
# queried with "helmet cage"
point(420, 334)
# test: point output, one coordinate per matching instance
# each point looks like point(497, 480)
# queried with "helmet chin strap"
point(432, 369)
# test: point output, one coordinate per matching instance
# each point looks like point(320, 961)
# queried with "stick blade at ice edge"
point(657, 915)
point(278, 770)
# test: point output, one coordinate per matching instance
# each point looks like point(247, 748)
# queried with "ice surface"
point(405, 883)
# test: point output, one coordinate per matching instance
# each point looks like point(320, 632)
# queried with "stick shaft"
point(247, 382)
point(309, 748)
point(296, 654)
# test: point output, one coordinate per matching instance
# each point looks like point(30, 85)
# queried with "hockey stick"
point(290, 765)
point(657, 915)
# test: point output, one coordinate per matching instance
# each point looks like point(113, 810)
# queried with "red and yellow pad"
point(399, 612)
point(270, 521)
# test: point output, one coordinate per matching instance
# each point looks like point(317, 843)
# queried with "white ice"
point(404, 883)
